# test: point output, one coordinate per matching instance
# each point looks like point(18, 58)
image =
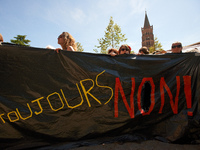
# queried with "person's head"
point(113, 52)
point(125, 49)
point(143, 51)
point(1, 38)
point(176, 47)
point(65, 40)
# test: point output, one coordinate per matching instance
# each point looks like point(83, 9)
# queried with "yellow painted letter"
point(15, 115)
point(41, 110)
point(59, 98)
point(104, 87)
point(31, 113)
point(88, 91)
point(66, 99)
point(2, 118)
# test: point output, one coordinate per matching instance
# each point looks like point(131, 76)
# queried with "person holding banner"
point(67, 42)
point(176, 47)
point(124, 49)
point(113, 52)
point(143, 51)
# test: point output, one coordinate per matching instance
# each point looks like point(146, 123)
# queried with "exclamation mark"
point(188, 93)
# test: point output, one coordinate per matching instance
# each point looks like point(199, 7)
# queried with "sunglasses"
point(124, 49)
point(178, 46)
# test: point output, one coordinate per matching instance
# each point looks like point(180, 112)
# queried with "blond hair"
point(1, 38)
point(69, 41)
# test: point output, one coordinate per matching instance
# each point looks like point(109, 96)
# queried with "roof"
point(192, 48)
point(146, 21)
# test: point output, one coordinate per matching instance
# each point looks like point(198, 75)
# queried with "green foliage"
point(157, 46)
point(112, 37)
point(20, 39)
point(79, 47)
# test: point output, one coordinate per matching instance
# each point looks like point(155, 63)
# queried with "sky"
point(86, 20)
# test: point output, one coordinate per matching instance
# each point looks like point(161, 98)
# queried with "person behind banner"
point(67, 42)
point(176, 47)
point(143, 51)
point(1, 38)
point(113, 52)
point(124, 49)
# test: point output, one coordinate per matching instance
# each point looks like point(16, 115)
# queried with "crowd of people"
point(125, 49)
point(67, 42)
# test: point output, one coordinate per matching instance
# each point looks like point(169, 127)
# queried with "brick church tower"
point(147, 33)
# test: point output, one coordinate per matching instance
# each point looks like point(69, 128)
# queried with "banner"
point(50, 99)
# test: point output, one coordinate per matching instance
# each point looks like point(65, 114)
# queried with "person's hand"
point(57, 50)
point(140, 54)
point(112, 54)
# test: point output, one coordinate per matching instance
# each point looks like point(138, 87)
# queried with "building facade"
point(147, 33)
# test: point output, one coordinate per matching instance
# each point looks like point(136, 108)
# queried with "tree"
point(156, 46)
point(112, 37)
point(20, 39)
point(79, 47)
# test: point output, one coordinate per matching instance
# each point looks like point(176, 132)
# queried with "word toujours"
point(15, 115)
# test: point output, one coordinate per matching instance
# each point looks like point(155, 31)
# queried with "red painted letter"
point(188, 93)
point(174, 105)
point(119, 86)
point(152, 95)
